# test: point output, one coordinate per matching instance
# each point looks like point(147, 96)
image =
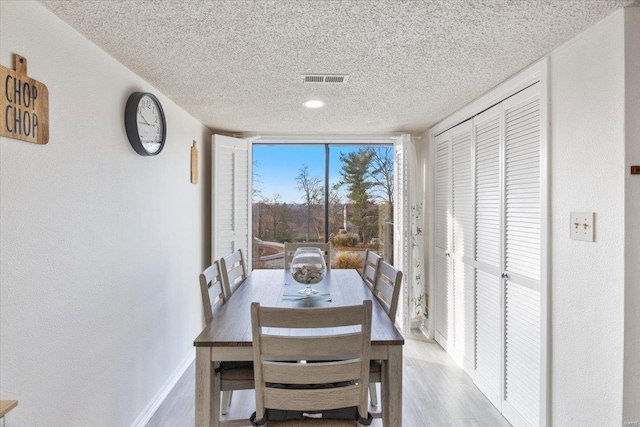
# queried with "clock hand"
point(145, 120)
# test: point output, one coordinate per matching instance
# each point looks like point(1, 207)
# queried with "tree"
point(257, 198)
point(381, 173)
point(355, 175)
point(284, 232)
point(275, 199)
point(335, 208)
point(312, 191)
point(256, 187)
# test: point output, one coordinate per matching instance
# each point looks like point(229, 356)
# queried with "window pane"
point(288, 199)
point(360, 203)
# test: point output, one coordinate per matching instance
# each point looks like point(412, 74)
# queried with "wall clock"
point(145, 123)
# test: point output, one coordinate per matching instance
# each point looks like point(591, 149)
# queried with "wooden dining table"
point(228, 336)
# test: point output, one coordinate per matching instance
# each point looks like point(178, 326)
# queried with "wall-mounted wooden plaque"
point(194, 164)
point(24, 104)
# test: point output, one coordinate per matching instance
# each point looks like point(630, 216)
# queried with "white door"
point(231, 197)
point(508, 255)
point(462, 209)
point(454, 243)
point(487, 130)
point(442, 233)
point(522, 237)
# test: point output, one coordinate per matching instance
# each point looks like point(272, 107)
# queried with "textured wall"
point(587, 174)
point(100, 247)
point(632, 217)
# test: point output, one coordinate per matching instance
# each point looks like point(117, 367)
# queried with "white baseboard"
point(157, 400)
point(425, 331)
point(416, 323)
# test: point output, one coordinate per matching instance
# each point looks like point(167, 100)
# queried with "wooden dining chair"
point(290, 251)
point(234, 271)
point(337, 339)
point(370, 267)
point(233, 375)
point(386, 289)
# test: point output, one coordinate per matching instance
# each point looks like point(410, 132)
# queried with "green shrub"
point(346, 259)
point(349, 240)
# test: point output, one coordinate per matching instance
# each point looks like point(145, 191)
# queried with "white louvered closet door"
point(487, 130)
point(230, 197)
point(490, 222)
point(462, 244)
point(442, 237)
point(522, 215)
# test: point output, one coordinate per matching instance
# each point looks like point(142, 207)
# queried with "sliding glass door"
point(322, 192)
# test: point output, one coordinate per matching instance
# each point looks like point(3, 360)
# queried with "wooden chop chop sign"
point(24, 104)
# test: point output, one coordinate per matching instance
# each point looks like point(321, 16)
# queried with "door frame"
point(391, 139)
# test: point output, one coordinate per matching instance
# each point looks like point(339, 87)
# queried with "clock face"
point(150, 124)
point(145, 123)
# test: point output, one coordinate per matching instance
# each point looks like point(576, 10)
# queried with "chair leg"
point(226, 401)
point(374, 394)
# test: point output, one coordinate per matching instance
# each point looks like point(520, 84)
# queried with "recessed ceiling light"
point(314, 103)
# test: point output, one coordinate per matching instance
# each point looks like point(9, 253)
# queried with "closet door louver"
point(488, 134)
point(230, 196)
point(522, 358)
point(488, 305)
point(522, 188)
point(522, 256)
point(442, 234)
point(462, 239)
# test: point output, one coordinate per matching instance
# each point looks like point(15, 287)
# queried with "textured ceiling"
point(236, 65)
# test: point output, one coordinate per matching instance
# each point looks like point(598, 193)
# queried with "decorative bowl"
point(308, 267)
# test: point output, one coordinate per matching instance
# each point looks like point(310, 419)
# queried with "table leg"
point(392, 388)
point(205, 390)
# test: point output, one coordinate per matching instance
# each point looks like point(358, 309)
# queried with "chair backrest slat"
point(290, 251)
point(322, 348)
point(387, 288)
point(323, 317)
point(311, 400)
point(315, 373)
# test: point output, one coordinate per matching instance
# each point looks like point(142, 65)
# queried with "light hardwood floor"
point(436, 393)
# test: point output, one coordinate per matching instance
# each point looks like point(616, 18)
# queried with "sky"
point(276, 167)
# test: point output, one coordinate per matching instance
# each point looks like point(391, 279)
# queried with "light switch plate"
point(582, 226)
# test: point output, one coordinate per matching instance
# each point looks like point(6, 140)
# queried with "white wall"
point(100, 247)
point(632, 218)
point(587, 174)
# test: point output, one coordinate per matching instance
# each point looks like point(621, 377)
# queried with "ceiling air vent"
point(325, 78)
